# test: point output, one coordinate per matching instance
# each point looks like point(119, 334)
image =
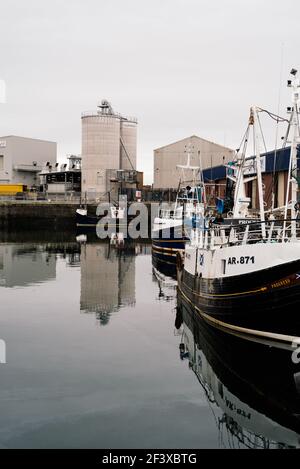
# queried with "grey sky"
point(182, 67)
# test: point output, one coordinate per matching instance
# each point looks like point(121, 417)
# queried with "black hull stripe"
point(241, 285)
point(231, 328)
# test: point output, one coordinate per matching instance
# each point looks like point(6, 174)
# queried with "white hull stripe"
point(164, 253)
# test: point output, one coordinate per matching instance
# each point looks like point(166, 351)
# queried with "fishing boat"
point(84, 219)
point(172, 227)
point(249, 276)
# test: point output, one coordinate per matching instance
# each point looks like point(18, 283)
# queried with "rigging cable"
point(273, 116)
point(275, 175)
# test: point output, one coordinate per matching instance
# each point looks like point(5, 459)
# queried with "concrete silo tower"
point(128, 144)
point(108, 145)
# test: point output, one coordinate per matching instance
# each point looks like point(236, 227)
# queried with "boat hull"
point(165, 246)
point(86, 220)
point(91, 221)
point(267, 300)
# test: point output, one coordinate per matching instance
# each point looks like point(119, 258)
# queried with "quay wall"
point(58, 214)
point(28, 213)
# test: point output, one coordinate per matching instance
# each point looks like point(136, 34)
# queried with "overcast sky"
point(182, 67)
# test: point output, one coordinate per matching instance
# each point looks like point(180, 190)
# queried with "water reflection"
point(107, 272)
point(107, 279)
point(252, 389)
point(167, 286)
point(107, 275)
point(168, 269)
point(27, 264)
point(52, 388)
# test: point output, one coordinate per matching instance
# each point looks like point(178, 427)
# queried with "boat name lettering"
point(241, 260)
point(239, 411)
point(245, 222)
point(281, 283)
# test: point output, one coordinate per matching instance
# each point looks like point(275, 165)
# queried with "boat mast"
point(255, 122)
point(292, 174)
point(182, 180)
point(196, 170)
point(201, 178)
point(241, 202)
point(187, 166)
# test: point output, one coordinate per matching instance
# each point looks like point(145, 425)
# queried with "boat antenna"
point(274, 175)
point(254, 121)
point(292, 184)
point(202, 183)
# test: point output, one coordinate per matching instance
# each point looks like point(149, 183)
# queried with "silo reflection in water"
point(107, 280)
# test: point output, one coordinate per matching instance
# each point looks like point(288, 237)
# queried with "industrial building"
point(21, 159)
point(109, 148)
point(62, 178)
point(166, 159)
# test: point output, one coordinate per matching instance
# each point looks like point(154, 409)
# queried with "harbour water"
point(100, 354)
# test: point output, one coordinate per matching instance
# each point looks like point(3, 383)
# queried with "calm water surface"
point(94, 358)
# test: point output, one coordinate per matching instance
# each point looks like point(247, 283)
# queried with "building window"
point(1, 162)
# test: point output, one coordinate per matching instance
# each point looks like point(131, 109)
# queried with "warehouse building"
point(166, 159)
point(109, 147)
point(21, 159)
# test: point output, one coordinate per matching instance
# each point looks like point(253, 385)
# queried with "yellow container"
point(11, 189)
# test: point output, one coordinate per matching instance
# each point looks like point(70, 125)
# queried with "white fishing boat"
point(172, 227)
point(83, 219)
point(250, 275)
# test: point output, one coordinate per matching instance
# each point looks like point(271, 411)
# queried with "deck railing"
point(276, 231)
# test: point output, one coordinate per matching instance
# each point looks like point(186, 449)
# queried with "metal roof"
point(278, 160)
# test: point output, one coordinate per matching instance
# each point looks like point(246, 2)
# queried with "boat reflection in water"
point(164, 274)
point(166, 285)
point(253, 388)
point(167, 268)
